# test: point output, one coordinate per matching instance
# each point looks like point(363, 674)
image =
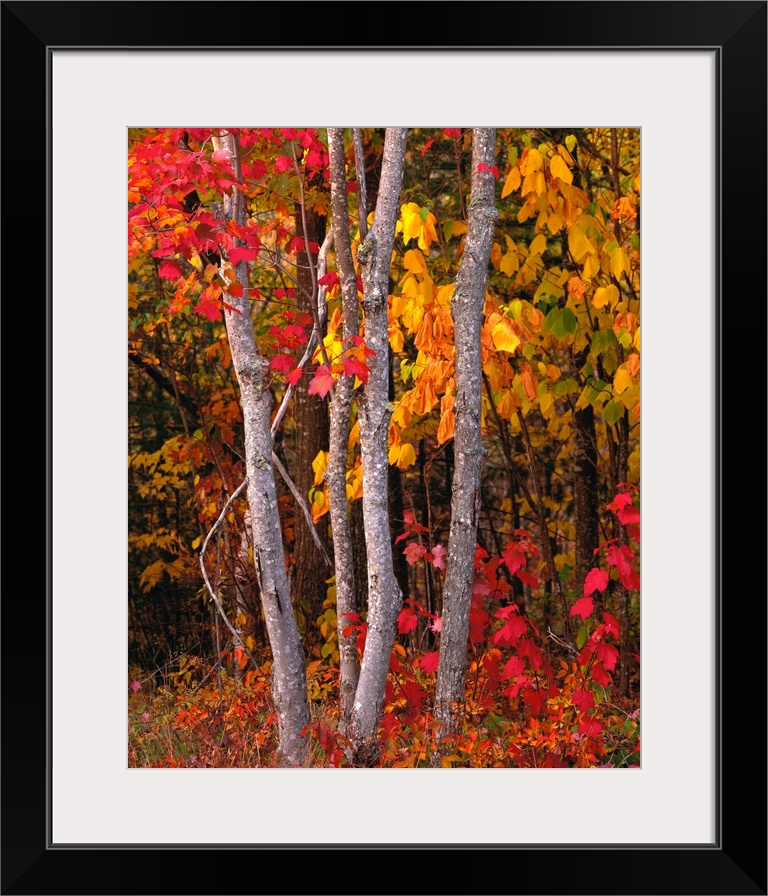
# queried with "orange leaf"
point(530, 383)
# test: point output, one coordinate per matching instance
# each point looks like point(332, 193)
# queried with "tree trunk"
point(467, 311)
point(384, 596)
point(346, 603)
point(311, 416)
point(289, 688)
point(585, 492)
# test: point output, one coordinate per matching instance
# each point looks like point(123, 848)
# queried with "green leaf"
point(582, 636)
point(565, 324)
point(602, 340)
point(566, 571)
point(612, 412)
point(592, 208)
point(512, 155)
point(550, 320)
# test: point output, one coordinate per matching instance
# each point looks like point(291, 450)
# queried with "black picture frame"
point(736, 862)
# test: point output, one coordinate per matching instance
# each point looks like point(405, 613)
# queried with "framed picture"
point(692, 76)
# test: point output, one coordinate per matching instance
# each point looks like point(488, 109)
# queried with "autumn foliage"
point(553, 652)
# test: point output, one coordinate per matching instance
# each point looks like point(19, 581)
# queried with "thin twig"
point(305, 510)
point(214, 597)
point(322, 309)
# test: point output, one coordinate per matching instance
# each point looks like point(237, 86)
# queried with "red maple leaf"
point(513, 666)
point(430, 661)
point(583, 700)
point(629, 516)
point(242, 253)
point(583, 607)
point(621, 500)
point(169, 270)
point(611, 625)
point(407, 621)
point(209, 309)
point(527, 578)
point(322, 382)
point(590, 727)
point(608, 655)
point(282, 163)
point(453, 133)
point(356, 367)
point(600, 675)
point(414, 552)
point(294, 376)
point(530, 649)
point(330, 279)
point(596, 580)
point(439, 553)
point(282, 363)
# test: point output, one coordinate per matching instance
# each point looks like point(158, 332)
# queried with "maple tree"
point(453, 576)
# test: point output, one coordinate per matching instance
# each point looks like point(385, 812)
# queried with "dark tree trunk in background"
point(311, 415)
point(585, 492)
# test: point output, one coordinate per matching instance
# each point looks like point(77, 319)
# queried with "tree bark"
point(311, 416)
point(585, 492)
point(467, 311)
point(289, 688)
point(384, 596)
point(336, 474)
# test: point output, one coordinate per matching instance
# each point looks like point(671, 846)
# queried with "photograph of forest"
point(384, 447)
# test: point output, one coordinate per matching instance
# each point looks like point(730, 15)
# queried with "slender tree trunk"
point(467, 311)
point(310, 572)
point(289, 688)
point(585, 490)
point(384, 596)
point(346, 603)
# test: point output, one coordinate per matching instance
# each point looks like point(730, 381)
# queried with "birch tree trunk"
point(289, 688)
point(336, 474)
point(467, 312)
point(384, 596)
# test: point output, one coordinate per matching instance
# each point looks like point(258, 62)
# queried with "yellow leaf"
point(395, 338)
point(555, 223)
point(591, 266)
point(636, 340)
point(547, 402)
point(443, 297)
point(538, 245)
point(579, 244)
point(394, 454)
point(534, 183)
point(622, 379)
point(509, 264)
point(196, 543)
point(413, 261)
point(553, 373)
point(600, 298)
point(319, 465)
point(511, 183)
point(505, 339)
point(531, 161)
point(407, 456)
point(619, 262)
point(559, 169)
